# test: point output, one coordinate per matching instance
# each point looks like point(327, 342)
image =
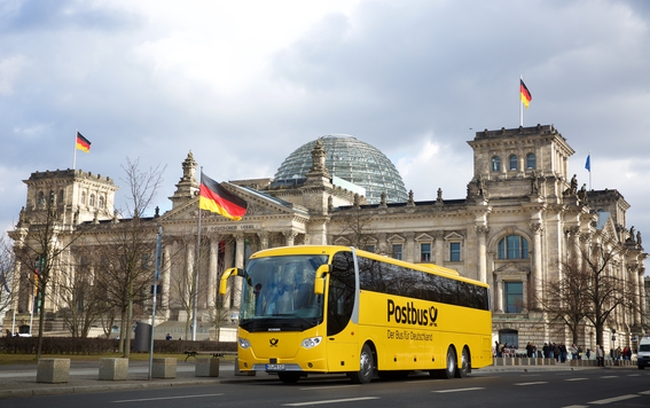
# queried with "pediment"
point(511, 269)
point(453, 236)
point(258, 205)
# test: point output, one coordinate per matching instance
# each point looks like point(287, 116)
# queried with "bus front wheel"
point(366, 366)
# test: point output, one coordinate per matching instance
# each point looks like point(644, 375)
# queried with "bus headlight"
point(244, 343)
point(311, 342)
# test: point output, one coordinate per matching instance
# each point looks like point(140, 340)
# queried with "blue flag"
point(588, 164)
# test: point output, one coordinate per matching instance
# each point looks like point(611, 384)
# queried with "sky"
point(242, 84)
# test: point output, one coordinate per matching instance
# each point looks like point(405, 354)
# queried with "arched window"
point(513, 247)
point(92, 200)
point(83, 197)
point(496, 163)
point(531, 163)
point(41, 198)
point(512, 162)
point(101, 201)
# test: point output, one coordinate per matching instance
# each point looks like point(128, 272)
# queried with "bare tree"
point(7, 274)
point(566, 300)
point(356, 227)
point(82, 301)
point(183, 286)
point(127, 260)
point(590, 290)
point(42, 246)
point(606, 291)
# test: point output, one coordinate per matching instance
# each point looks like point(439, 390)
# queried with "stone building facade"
point(522, 217)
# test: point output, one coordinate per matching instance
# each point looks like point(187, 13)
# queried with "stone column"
point(166, 280)
point(213, 262)
point(409, 248)
point(189, 274)
point(481, 232)
point(642, 295)
point(498, 294)
point(537, 229)
point(573, 235)
point(239, 263)
point(289, 236)
point(263, 237)
point(439, 248)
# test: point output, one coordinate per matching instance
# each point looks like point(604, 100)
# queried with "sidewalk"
point(18, 381)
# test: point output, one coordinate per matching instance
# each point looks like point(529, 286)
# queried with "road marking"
point(323, 402)
point(328, 387)
point(645, 392)
point(576, 406)
point(168, 398)
point(614, 399)
point(603, 377)
point(460, 390)
point(629, 375)
point(577, 379)
point(532, 383)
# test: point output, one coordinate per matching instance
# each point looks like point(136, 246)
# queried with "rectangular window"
point(397, 251)
point(514, 296)
point(454, 251)
point(425, 252)
point(370, 248)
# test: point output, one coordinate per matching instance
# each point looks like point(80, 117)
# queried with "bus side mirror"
point(223, 284)
point(319, 281)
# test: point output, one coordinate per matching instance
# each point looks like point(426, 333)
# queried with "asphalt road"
point(608, 387)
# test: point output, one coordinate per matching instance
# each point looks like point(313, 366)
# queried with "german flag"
point(214, 198)
point(83, 143)
point(524, 93)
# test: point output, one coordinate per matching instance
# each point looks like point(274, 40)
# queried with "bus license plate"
point(275, 367)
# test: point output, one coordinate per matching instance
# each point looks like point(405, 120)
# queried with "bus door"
point(342, 315)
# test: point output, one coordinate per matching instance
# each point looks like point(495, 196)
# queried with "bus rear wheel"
point(289, 377)
point(366, 366)
point(450, 367)
point(465, 365)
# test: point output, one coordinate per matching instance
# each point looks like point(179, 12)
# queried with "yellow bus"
point(336, 309)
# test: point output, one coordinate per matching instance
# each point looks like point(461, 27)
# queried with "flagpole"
point(195, 296)
point(590, 170)
point(521, 103)
point(74, 154)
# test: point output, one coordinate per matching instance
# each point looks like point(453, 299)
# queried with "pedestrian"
point(168, 336)
point(600, 356)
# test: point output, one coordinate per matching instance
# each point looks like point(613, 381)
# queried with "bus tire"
point(366, 366)
point(465, 364)
point(289, 377)
point(450, 364)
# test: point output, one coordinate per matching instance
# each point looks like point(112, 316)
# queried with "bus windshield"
point(278, 293)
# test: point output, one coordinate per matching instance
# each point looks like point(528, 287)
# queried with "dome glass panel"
point(352, 160)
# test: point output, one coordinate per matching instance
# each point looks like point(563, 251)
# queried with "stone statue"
point(631, 238)
point(330, 204)
point(411, 201)
point(638, 237)
point(480, 184)
point(382, 199)
point(574, 184)
point(582, 194)
point(439, 198)
point(535, 184)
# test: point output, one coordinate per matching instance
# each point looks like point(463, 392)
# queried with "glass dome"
point(352, 160)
